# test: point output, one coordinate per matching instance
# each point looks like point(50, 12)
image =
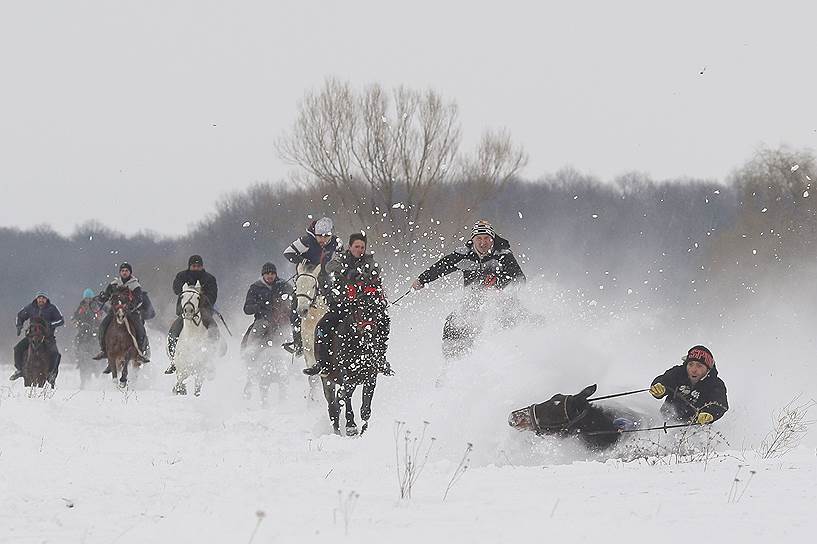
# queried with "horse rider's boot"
point(144, 357)
point(16, 374)
point(385, 368)
point(99, 356)
point(296, 347)
point(171, 369)
point(108, 369)
point(317, 368)
point(171, 352)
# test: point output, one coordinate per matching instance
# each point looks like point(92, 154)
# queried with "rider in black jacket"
point(693, 390)
point(40, 307)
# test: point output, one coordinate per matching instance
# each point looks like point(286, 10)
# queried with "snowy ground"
point(102, 465)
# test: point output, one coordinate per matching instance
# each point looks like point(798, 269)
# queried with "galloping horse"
point(354, 364)
point(311, 307)
point(195, 347)
point(120, 342)
point(85, 346)
point(261, 351)
point(37, 360)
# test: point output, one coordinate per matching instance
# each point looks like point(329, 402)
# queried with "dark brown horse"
point(38, 356)
point(120, 342)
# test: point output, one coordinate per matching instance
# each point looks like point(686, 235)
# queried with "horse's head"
point(189, 301)
point(306, 287)
point(560, 413)
point(38, 330)
point(120, 299)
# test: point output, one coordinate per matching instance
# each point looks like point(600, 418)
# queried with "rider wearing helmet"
point(40, 307)
point(317, 246)
point(136, 305)
point(355, 277)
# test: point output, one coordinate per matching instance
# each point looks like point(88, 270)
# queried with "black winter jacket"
point(209, 286)
point(685, 400)
point(49, 313)
point(497, 269)
point(132, 284)
point(351, 276)
point(266, 301)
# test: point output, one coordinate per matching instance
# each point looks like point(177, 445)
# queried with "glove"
point(704, 418)
point(658, 390)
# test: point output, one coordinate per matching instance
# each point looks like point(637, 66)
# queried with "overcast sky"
point(142, 114)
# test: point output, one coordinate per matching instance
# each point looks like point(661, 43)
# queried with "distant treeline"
point(635, 242)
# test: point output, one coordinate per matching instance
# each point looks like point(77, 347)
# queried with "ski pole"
point(400, 297)
point(618, 395)
point(663, 427)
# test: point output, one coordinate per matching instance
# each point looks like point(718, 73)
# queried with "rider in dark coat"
point(209, 294)
point(486, 259)
point(265, 296)
point(354, 275)
point(317, 246)
point(693, 390)
point(42, 308)
point(134, 315)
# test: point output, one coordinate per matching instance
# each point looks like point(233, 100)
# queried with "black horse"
point(353, 363)
point(573, 415)
point(38, 359)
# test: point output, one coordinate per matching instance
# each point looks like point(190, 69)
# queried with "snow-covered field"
point(102, 465)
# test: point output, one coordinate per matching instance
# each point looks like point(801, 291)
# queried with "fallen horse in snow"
point(574, 415)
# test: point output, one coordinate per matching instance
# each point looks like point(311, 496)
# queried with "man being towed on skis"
point(316, 247)
point(135, 294)
point(694, 392)
point(195, 272)
point(41, 308)
point(486, 259)
point(356, 279)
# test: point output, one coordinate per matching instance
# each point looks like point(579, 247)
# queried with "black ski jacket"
point(497, 269)
point(209, 286)
point(266, 301)
point(685, 400)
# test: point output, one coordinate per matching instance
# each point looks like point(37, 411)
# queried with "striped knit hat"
point(483, 227)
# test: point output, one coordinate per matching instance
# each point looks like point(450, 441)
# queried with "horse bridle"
point(196, 317)
point(312, 299)
point(562, 427)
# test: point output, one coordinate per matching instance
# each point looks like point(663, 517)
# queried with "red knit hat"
point(702, 355)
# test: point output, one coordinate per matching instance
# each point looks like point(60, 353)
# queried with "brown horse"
point(38, 356)
point(120, 343)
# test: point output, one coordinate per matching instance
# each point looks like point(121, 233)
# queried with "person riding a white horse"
point(354, 274)
point(317, 246)
point(209, 294)
point(485, 260)
point(134, 313)
point(42, 308)
point(266, 296)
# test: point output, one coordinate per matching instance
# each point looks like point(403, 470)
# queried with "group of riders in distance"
point(336, 309)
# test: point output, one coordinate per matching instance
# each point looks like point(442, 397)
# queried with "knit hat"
point(41, 294)
point(702, 355)
point(127, 266)
point(324, 227)
point(88, 293)
point(195, 259)
point(483, 227)
point(268, 268)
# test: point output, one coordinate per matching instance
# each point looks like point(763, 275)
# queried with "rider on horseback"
point(89, 309)
point(355, 276)
point(40, 307)
point(317, 246)
point(209, 293)
point(136, 313)
point(486, 260)
point(265, 296)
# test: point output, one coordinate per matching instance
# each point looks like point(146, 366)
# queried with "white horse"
point(311, 307)
point(195, 347)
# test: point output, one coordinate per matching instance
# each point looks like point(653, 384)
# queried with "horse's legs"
point(114, 364)
point(368, 393)
point(348, 390)
point(123, 380)
point(333, 402)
